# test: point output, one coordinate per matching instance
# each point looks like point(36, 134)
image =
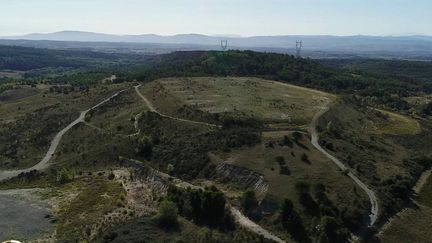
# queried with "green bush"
point(280, 160)
point(292, 222)
point(64, 176)
point(249, 201)
point(145, 146)
point(167, 215)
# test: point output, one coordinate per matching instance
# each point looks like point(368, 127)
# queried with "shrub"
point(280, 160)
point(64, 176)
point(305, 158)
point(145, 146)
point(287, 141)
point(111, 176)
point(249, 201)
point(167, 214)
point(297, 136)
point(284, 170)
point(292, 222)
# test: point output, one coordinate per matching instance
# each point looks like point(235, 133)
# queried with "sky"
point(226, 17)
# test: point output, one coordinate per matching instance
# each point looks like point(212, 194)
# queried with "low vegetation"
point(266, 100)
point(413, 224)
point(251, 141)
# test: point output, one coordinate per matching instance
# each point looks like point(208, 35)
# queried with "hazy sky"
point(244, 17)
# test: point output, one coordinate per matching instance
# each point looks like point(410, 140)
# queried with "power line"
point(299, 46)
point(224, 45)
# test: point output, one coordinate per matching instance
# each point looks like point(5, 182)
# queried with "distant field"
point(414, 224)
point(267, 100)
point(418, 100)
point(11, 74)
point(397, 124)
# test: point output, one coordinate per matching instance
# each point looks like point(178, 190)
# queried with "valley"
point(231, 158)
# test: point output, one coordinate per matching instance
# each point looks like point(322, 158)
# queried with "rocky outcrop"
point(243, 177)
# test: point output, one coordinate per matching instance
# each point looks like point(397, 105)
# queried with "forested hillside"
point(398, 69)
point(24, 58)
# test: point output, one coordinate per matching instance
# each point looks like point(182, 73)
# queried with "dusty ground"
point(23, 214)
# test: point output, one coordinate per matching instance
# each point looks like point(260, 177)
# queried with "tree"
point(330, 127)
point(427, 109)
point(305, 158)
point(167, 214)
point(329, 230)
point(280, 160)
point(64, 176)
point(249, 201)
point(322, 238)
point(297, 136)
point(305, 199)
point(287, 141)
point(302, 187)
point(145, 146)
point(213, 206)
point(292, 222)
point(170, 169)
point(286, 210)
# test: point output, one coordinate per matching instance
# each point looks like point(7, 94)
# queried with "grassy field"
point(425, 196)
point(396, 124)
point(10, 74)
point(418, 100)
point(414, 224)
point(262, 158)
point(318, 169)
point(283, 176)
point(249, 97)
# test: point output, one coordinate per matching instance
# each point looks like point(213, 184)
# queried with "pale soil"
point(23, 215)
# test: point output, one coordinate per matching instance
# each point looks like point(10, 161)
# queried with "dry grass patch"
point(264, 99)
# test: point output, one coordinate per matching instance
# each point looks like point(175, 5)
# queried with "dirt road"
point(43, 164)
point(315, 142)
point(152, 109)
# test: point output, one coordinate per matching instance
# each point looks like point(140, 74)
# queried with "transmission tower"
point(299, 46)
point(224, 45)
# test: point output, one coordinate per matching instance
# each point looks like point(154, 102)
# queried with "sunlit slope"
point(249, 97)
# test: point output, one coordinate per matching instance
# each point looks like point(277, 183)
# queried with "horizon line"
point(215, 35)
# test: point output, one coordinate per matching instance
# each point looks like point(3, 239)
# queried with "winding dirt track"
point(152, 109)
point(315, 142)
point(239, 217)
point(43, 164)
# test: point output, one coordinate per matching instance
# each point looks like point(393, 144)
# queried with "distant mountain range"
point(415, 45)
